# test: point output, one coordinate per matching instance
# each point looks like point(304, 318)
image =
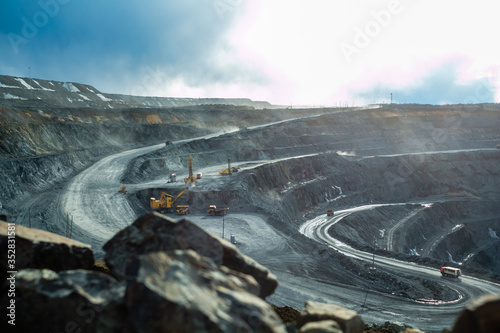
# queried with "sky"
point(287, 52)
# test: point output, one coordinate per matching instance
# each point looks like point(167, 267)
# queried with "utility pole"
point(391, 98)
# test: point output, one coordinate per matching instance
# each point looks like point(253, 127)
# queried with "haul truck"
point(216, 211)
point(451, 271)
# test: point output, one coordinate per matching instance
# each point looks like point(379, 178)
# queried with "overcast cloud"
point(320, 52)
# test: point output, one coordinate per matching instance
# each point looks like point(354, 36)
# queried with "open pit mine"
point(390, 212)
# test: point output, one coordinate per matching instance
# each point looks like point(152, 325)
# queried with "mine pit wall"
point(39, 150)
point(388, 130)
point(290, 191)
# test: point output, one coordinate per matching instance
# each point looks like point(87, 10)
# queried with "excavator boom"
point(166, 201)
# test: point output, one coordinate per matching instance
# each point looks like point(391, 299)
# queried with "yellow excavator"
point(166, 201)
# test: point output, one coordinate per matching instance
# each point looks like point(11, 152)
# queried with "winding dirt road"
point(99, 211)
point(429, 315)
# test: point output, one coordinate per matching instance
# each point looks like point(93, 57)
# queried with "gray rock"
point(181, 291)
point(324, 326)
point(41, 249)
point(155, 232)
point(348, 320)
point(70, 301)
point(479, 316)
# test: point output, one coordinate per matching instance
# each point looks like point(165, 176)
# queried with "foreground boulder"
point(348, 320)
point(181, 291)
point(71, 301)
point(41, 249)
point(480, 316)
point(155, 232)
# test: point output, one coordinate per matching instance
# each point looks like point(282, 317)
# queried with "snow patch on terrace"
point(101, 96)
point(42, 87)
point(70, 87)
point(21, 81)
point(6, 86)
point(84, 97)
point(10, 96)
point(492, 233)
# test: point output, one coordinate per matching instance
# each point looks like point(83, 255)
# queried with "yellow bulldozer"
point(165, 203)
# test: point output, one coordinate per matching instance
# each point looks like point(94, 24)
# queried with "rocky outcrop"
point(70, 301)
point(155, 232)
point(479, 316)
point(180, 279)
point(324, 326)
point(42, 249)
point(348, 320)
point(181, 291)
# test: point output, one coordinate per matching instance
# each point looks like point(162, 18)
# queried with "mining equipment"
point(198, 175)
point(123, 189)
point(229, 170)
point(172, 178)
point(451, 271)
point(164, 204)
point(216, 211)
point(182, 210)
point(190, 178)
point(329, 212)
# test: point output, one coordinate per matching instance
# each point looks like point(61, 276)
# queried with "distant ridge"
point(26, 91)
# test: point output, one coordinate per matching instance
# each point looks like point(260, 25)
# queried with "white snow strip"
point(84, 97)
point(339, 189)
point(492, 233)
point(23, 83)
point(104, 98)
point(70, 87)
point(42, 87)
point(6, 86)
point(9, 96)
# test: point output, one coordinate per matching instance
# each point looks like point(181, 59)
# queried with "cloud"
point(441, 86)
point(281, 51)
point(115, 45)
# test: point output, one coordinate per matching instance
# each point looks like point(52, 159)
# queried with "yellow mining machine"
point(166, 201)
point(229, 171)
point(216, 211)
point(190, 178)
point(123, 189)
point(182, 209)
